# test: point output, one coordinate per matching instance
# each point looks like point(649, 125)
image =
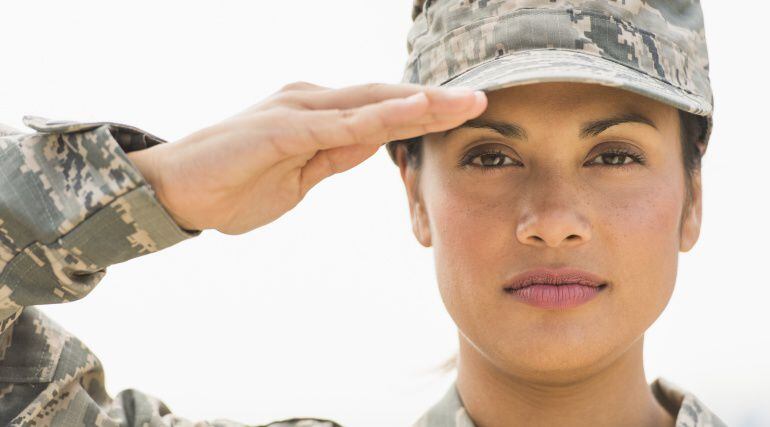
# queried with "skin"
point(556, 202)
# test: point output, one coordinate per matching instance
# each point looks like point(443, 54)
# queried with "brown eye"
point(491, 159)
point(617, 158)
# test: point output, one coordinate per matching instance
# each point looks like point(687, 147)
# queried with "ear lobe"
point(417, 213)
point(420, 225)
point(691, 222)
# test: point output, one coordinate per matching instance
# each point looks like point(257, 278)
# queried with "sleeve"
point(71, 204)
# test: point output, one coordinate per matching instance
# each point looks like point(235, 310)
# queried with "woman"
point(556, 217)
point(556, 205)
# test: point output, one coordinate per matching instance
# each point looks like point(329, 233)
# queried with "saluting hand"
point(251, 168)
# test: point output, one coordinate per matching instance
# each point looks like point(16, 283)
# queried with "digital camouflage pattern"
point(656, 48)
point(690, 412)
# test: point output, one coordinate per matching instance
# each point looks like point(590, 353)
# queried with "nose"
point(553, 216)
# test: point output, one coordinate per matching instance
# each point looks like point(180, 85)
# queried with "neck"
point(616, 394)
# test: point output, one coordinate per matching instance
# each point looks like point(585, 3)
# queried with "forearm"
point(71, 204)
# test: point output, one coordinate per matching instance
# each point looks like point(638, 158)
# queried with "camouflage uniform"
point(72, 203)
point(689, 411)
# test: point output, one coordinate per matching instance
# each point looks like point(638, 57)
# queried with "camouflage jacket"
point(689, 411)
point(60, 188)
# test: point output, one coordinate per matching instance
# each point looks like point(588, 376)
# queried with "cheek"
point(471, 231)
point(634, 221)
point(637, 235)
point(473, 236)
point(465, 223)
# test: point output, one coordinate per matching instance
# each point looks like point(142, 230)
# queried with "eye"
point(489, 159)
point(617, 157)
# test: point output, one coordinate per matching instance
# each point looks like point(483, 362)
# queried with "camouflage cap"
point(656, 48)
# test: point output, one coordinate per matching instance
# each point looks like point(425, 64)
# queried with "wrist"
point(148, 162)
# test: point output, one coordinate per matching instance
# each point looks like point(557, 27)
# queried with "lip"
point(550, 288)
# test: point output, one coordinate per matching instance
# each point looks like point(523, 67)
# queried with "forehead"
point(566, 108)
point(570, 98)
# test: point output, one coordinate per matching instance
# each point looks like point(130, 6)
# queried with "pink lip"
point(555, 288)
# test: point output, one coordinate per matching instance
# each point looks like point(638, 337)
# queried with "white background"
point(332, 310)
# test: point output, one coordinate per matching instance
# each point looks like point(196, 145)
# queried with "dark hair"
point(692, 135)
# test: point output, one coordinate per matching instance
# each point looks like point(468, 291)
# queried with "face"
point(555, 175)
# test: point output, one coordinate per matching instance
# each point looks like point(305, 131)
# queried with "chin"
point(555, 363)
point(549, 349)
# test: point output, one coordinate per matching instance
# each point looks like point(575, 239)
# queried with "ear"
point(410, 176)
point(692, 220)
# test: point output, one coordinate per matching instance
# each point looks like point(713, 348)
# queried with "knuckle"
point(294, 94)
point(432, 117)
point(314, 134)
point(434, 126)
point(331, 166)
point(373, 85)
point(346, 114)
point(346, 119)
point(276, 130)
point(381, 128)
point(284, 99)
point(297, 85)
point(277, 114)
point(277, 141)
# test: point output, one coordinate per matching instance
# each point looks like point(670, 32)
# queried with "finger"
point(370, 93)
point(301, 86)
point(329, 162)
point(290, 93)
point(390, 119)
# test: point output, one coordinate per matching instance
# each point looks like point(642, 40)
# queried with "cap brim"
point(559, 65)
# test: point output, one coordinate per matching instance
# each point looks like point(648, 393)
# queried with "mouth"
point(555, 288)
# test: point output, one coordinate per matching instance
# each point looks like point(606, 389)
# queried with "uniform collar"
point(691, 412)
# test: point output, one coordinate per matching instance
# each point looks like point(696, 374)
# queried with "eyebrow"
point(592, 128)
point(508, 130)
point(596, 127)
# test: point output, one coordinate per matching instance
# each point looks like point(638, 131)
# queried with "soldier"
point(557, 182)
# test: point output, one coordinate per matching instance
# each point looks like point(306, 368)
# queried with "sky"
point(333, 310)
